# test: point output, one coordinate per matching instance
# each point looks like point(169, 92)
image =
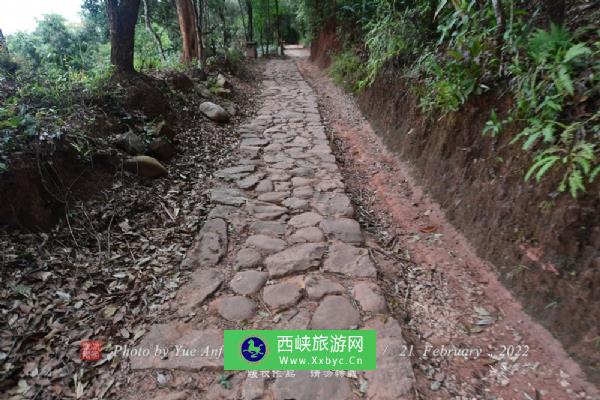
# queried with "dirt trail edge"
point(280, 250)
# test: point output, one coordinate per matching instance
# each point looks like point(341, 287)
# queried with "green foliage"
point(545, 84)
point(453, 50)
point(348, 70)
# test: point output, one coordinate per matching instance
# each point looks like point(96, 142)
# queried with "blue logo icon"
point(253, 349)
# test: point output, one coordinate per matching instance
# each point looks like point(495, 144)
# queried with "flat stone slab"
point(304, 172)
point(204, 283)
point(335, 312)
point(298, 181)
point(297, 258)
point(296, 204)
point(266, 185)
point(266, 211)
point(310, 234)
point(344, 229)
point(303, 387)
point(305, 219)
point(304, 192)
point(254, 142)
point(209, 246)
point(266, 244)
point(228, 196)
point(250, 181)
point(273, 197)
point(234, 308)
point(248, 258)
point(269, 228)
point(235, 172)
point(333, 204)
point(248, 282)
point(319, 287)
point(282, 295)
point(208, 344)
point(368, 296)
point(349, 260)
point(390, 367)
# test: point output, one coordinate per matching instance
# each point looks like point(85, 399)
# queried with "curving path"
point(280, 250)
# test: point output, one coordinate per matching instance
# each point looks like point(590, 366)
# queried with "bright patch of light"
point(21, 15)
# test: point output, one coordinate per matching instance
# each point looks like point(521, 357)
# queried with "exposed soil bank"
point(545, 249)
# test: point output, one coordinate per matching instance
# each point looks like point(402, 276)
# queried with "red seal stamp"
point(90, 350)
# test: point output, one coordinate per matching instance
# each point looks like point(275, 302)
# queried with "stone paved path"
point(280, 250)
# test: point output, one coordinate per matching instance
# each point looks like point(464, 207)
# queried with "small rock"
point(145, 166)
point(214, 112)
point(203, 91)
point(304, 192)
point(282, 295)
point(266, 244)
point(210, 245)
point(306, 219)
point(269, 228)
point(310, 234)
point(266, 185)
point(162, 148)
point(297, 258)
point(349, 260)
point(333, 204)
point(235, 308)
point(317, 287)
point(248, 282)
point(273, 197)
point(299, 181)
point(369, 298)
point(345, 229)
point(248, 258)
point(131, 143)
point(335, 312)
point(266, 211)
point(294, 203)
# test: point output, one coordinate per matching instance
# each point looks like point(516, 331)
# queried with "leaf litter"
point(108, 271)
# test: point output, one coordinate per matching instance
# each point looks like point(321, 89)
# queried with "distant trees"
point(122, 17)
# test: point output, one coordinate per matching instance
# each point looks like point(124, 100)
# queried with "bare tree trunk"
point(250, 21)
point(152, 31)
point(199, 25)
point(122, 17)
point(223, 19)
point(278, 19)
point(188, 25)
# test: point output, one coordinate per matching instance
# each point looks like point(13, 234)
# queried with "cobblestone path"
point(280, 250)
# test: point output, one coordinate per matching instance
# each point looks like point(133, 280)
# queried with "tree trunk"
point(152, 31)
point(223, 19)
point(278, 19)
point(188, 25)
point(122, 17)
point(199, 24)
point(250, 21)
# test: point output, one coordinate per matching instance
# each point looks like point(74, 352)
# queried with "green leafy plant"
point(545, 89)
point(348, 70)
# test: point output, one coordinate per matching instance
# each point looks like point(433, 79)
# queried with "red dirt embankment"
point(545, 247)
